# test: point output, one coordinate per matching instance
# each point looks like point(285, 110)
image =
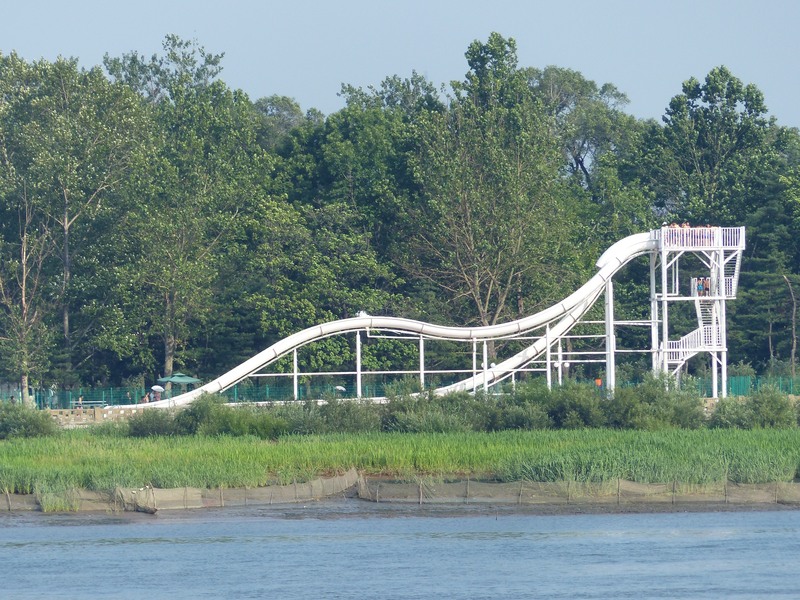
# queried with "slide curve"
point(561, 317)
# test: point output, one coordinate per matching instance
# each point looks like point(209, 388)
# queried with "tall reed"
point(79, 459)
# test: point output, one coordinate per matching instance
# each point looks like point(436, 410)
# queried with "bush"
point(623, 409)
point(429, 420)
point(430, 413)
point(17, 420)
point(525, 416)
point(300, 419)
point(771, 408)
point(201, 412)
point(243, 420)
point(577, 405)
point(663, 403)
point(151, 422)
point(351, 416)
point(731, 413)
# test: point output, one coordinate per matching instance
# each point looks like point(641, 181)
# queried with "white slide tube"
point(561, 317)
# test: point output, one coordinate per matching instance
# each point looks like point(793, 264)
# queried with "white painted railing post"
point(474, 365)
point(610, 338)
point(485, 368)
point(294, 375)
point(549, 360)
point(421, 362)
point(358, 364)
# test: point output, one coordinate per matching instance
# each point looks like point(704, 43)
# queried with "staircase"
point(706, 315)
point(703, 339)
point(732, 268)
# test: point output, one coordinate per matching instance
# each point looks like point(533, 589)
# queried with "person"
point(13, 399)
point(79, 404)
point(707, 286)
point(145, 399)
point(685, 232)
point(700, 286)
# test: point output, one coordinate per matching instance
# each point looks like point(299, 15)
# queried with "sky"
point(306, 49)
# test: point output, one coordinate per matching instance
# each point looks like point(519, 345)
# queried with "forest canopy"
point(152, 219)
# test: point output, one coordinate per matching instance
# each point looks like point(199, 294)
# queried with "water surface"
point(346, 549)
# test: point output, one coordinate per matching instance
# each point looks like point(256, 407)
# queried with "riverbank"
point(561, 497)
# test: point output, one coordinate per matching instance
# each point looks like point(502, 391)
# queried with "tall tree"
point(75, 136)
point(715, 138)
point(495, 215)
point(26, 244)
point(202, 175)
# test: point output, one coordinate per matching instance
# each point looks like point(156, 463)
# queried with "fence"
point(344, 387)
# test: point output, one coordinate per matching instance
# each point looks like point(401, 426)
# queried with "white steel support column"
point(714, 381)
point(611, 341)
point(358, 364)
point(560, 362)
point(548, 360)
point(474, 364)
point(654, 311)
point(485, 368)
point(722, 292)
point(664, 310)
point(294, 374)
point(421, 362)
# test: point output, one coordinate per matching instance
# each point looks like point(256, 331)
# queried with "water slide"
point(561, 317)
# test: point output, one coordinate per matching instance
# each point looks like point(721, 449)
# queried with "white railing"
point(732, 237)
point(703, 338)
point(730, 286)
point(699, 237)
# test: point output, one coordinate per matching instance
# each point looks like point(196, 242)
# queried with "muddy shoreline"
point(358, 492)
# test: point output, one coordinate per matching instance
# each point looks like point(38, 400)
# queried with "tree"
point(24, 302)
point(75, 136)
point(202, 175)
point(495, 216)
point(154, 79)
point(279, 115)
point(716, 136)
point(587, 118)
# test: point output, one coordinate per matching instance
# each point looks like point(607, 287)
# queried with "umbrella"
point(157, 388)
point(179, 378)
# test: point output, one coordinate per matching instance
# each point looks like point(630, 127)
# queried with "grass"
point(82, 459)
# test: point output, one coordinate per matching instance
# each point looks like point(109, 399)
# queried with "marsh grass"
point(50, 467)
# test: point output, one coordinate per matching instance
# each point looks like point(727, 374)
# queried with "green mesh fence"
point(281, 389)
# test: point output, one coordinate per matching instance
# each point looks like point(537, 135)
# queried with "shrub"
point(243, 420)
point(151, 422)
point(771, 408)
point(190, 420)
point(430, 420)
point(731, 413)
point(351, 416)
point(663, 403)
point(525, 416)
point(623, 409)
point(575, 406)
point(267, 426)
point(300, 419)
point(17, 420)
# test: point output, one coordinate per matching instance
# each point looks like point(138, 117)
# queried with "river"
point(350, 549)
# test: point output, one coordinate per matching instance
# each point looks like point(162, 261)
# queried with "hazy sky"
point(307, 48)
